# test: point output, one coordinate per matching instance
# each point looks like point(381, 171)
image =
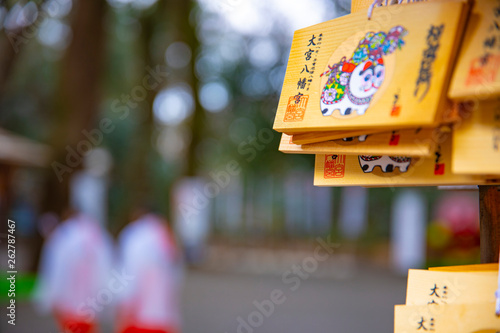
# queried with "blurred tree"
point(77, 99)
point(11, 42)
point(7, 58)
point(112, 43)
point(139, 171)
point(184, 27)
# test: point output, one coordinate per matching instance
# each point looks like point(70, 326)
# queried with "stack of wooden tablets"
point(457, 299)
point(406, 98)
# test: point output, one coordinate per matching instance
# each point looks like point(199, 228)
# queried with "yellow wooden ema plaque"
point(390, 72)
point(476, 142)
point(467, 268)
point(451, 116)
point(366, 170)
point(477, 73)
point(438, 287)
point(314, 137)
point(451, 318)
point(405, 142)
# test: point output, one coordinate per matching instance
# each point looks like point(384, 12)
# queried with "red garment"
point(75, 325)
point(133, 329)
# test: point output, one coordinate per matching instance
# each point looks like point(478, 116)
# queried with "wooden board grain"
point(314, 137)
point(476, 141)
point(360, 5)
point(416, 142)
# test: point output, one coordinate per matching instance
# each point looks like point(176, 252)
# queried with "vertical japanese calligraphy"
point(425, 324)
point(310, 57)
point(428, 58)
point(297, 104)
point(438, 294)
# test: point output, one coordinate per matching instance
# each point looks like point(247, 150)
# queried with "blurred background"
point(106, 105)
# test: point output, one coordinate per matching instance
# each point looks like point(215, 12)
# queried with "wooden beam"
point(489, 210)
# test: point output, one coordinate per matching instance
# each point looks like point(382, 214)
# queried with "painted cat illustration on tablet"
point(386, 163)
point(352, 83)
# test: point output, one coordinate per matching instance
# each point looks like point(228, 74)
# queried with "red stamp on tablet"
point(296, 108)
point(334, 166)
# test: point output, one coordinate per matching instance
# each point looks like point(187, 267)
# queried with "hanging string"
point(377, 3)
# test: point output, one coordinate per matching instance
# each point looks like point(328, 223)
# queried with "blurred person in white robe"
point(148, 253)
point(75, 265)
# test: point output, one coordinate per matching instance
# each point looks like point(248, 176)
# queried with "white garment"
point(408, 231)
point(148, 254)
point(89, 195)
point(75, 265)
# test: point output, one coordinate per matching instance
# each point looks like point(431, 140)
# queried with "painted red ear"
point(380, 61)
point(367, 65)
point(348, 67)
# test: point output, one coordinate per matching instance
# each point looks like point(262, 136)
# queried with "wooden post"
point(489, 212)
